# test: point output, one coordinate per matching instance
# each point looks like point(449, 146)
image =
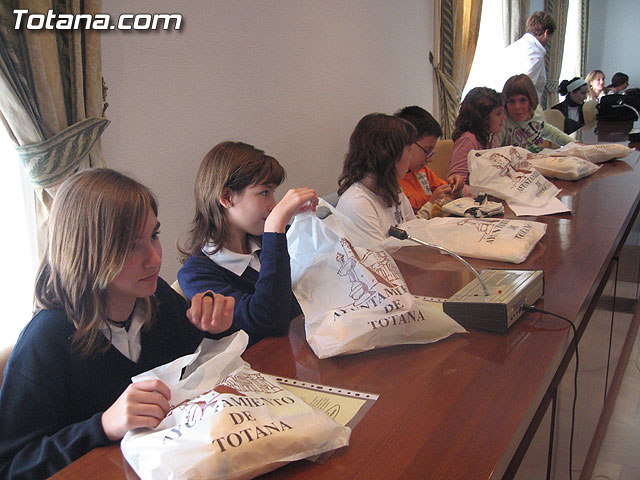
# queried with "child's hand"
point(296, 200)
point(142, 404)
point(457, 183)
point(441, 195)
point(211, 312)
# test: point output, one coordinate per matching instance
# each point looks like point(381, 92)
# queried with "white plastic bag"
point(506, 173)
point(354, 298)
point(470, 207)
point(598, 153)
point(228, 421)
point(562, 167)
point(502, 239)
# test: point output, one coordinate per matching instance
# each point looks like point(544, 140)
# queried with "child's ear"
point(225, 198)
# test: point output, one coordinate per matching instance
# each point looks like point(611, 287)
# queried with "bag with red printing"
point(227, 421)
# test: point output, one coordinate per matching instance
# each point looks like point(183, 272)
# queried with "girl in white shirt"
point(379, 155)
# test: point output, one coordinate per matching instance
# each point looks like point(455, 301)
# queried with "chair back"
point(589, 110)
point(176, 286)
point(555, 118)
point(331, 198)
point(439, 163)
point(4, 358)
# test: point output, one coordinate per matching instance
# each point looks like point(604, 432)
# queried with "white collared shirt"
point(128, 343)
point(525, 55)
point(232, 261)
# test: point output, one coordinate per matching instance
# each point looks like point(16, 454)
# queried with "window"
point(571, 54)
point(490, 41)
point(18, 246)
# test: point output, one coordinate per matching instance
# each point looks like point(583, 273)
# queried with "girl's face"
point(519, 107)
point(597, 84)
point(250, 207)
point(139, 276)
point(402, 164)
point(422, 152)
point(496, 117)
point(579, 95)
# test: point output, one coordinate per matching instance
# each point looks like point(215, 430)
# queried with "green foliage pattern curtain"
point(458, 25)
point(51, 97)
point(558, 9)
point(514, 19)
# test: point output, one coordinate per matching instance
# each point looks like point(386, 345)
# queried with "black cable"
point(531, 308)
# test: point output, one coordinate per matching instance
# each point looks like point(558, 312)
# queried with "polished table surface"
point(458, 408)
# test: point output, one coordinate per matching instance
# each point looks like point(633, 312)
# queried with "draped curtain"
point(514, 19)
point(51, 97)
point(558, 9)
point(458, 25)
point(584, 36)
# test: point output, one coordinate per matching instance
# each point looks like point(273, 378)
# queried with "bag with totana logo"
point(505, 172)
point(562, 167)
point(354, 298)
point(598, 153)
point(227, 421)
point(501, 239)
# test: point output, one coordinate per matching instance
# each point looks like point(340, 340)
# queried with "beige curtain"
point(514, 19)
point(51, 97)
point(558, 9)
point(458, 25)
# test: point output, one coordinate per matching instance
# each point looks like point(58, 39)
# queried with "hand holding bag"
point(354, 298)
point(227, 421)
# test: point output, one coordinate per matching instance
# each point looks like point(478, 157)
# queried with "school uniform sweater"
point(52, 399)
point(264, 302)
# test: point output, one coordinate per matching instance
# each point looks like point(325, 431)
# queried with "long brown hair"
point(95, 218)
point(474, 114)
point(232, 165)
point(374, 148)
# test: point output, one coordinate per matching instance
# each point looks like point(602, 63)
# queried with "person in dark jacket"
point(237, 244)
point(575, 92)
point(103, 316)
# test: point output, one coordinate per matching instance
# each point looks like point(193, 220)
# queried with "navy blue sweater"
point(265, 303)
point(52, 400)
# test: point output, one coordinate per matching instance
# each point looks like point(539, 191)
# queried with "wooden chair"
point(555, 118)
point(4, 358)
point(176, 286)
point(589, 111)
point(441, 157)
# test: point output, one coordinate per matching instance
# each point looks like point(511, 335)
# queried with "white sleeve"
point(364, 215)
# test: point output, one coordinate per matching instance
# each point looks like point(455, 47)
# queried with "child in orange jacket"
point(424, 189)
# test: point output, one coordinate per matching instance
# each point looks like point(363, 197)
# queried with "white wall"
point(614, 36)
point(292, 77)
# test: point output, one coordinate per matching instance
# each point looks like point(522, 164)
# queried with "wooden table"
point(468, 406)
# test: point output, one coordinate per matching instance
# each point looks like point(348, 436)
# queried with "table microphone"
point(403, 235)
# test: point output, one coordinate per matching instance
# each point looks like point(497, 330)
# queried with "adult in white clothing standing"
point(526, 55)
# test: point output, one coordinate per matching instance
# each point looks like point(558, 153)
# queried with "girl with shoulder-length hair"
point(237, 244)
point(103, 317)
point(525, 125)
point(479, 119)
point(378, 157)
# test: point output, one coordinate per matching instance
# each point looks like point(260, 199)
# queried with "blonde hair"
point(95, 218)
point(591, 76)
point(228, 165)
